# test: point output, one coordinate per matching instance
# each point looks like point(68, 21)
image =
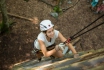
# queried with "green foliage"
point(57, 9)
point(4, 28)
point(26, 0)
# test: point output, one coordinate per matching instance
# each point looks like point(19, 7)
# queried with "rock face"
point(89, 60)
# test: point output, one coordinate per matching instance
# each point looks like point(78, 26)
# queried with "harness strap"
point(67, 41)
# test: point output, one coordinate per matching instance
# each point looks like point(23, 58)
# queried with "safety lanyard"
point(79, 32)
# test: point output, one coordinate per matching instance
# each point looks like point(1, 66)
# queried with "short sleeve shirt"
point(42, 37)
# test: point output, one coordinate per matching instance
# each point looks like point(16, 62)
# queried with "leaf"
point(26, 0)
point(57, 9)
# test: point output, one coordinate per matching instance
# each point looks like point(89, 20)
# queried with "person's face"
point(50, 32)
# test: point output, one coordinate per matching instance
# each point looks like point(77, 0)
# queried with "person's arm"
point(63, 39)
point(44, 50)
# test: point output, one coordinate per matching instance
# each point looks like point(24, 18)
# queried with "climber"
point(45, 42)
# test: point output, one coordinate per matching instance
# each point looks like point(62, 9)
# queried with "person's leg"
point(58, 54)
point(39, 55)
point(70, 46)
point(76, 55)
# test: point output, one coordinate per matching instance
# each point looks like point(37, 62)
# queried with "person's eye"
point(49, 32)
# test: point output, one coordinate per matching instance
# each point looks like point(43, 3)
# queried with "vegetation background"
point(16, 46)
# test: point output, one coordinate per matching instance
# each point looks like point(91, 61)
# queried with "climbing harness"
point(38, 53)
point(79, 32)
point(67, 41)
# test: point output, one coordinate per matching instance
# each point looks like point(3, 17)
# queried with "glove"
point(76, 55)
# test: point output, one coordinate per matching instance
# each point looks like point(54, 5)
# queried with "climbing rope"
point(76, 35)
point(65, 9)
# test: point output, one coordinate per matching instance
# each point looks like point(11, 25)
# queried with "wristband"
point(67, 41)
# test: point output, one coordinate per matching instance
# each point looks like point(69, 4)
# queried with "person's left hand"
point(76, 55)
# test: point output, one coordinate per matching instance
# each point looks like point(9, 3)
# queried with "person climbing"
point(94, 4)
point(45, 42)
point(100, 8)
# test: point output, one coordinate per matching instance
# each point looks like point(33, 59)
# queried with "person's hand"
point(76, 55)
point(57, 48)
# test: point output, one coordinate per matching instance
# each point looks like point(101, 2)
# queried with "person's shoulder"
point(56, 30)
point(56, 33)
point(40, 34)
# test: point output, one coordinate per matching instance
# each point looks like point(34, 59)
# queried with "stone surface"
point(88, 60)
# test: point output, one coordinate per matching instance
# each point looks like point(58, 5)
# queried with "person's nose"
point(52, 33)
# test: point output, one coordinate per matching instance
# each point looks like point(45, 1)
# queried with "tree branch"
point(17, 16)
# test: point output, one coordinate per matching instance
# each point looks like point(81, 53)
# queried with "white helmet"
point(45, 25)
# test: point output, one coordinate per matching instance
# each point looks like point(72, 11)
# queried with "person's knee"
point(58, 54)
point(61, 55)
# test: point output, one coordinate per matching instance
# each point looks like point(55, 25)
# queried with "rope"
point(88, 30)
point(73, 37)
point(65, 9)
